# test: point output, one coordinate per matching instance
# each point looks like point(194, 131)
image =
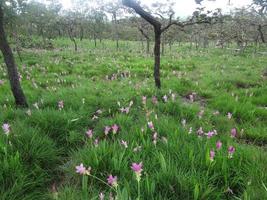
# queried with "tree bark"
point(12, 70)
point(261, 33)
point(157, 58)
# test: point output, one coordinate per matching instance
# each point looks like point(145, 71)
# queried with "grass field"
point(75, 95)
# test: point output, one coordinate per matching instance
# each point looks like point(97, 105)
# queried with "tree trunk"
point(116, 30)
point(157, 57)
point(261, 33)
point(147, 46)
point(12, 70)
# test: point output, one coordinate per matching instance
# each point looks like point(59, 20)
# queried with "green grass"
point(44, 147)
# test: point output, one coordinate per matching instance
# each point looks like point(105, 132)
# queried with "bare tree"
point(12, 70)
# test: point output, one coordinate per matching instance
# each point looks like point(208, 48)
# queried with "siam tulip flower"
point(210, 134)
point(112, 180)
point(94, 117)
point(165, 98)
point(183, 122)
point(89, 133)
point(6, 128)
point(107, 129)
point(218, 145)
point(96, 142)
point(150, 126)
point(233, 132)
point(101, 196)
point(60, 105)
point(138, 148)
point(137, 168)
point(231, 151)
point(155, 138)
point(144, 100)
point(131, 103)
point(29, 112)
point(200, 114)
point(191, 97)
point(99, 112)
point(190, 130)
point(36, 105)
point(124, 143)
point(115, 128)
point(154, 100)
point(80, 169)
point(1, 82)
point(229, 115)
point(216, 113)
point(200, 132)
point(212, 154)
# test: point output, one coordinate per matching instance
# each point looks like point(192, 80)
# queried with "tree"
point(159, 29)
point(12, 70)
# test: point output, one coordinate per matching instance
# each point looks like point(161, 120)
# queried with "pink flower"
point(218, 145)
point(1, 82)
point(96, 142)
point(107, 129)
point(124, 143)
point(60, 105)
point(115, 128)
point(6, 128)
point(200, 132)
point(144, 100)
point(212, 154)
point(89, 133)
point(101, 196)
point(80, 169)
point(231, 151)
point(191, 97)
point(112, 180)
point(210, 134)
point(229, 115)
point(137, 167)
point(154, 100)
point(150, 125)
point(165, 98)
point(233, 132)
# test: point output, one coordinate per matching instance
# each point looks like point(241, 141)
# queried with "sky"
point(185, 8)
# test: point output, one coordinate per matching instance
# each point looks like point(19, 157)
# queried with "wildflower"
point(1, 82)
point(144, 100)
point(155, 138)
point(154, 100)
point(200, 114)
point(212, 154)
point(6, 128)
point(124, 143)
point(216, 113)
point(191, 97)
point(233, 132)
point(112, 180)
point(60, 105)
point(138, 148)
point(96, 142)
point(131, 103)
point(218, 145)
point(29, 112)
point(231, 151)
point(115, 128)
point(229, 115)
point(190, 130)
point(101, 196)
point(36, 105)
point(80, 169)
point(137, 168)
point(89, 133)
point(210, 134)
point(200, 132)
point(150, 126)
point(165, 98)
point(183, 122)
point(107, 129)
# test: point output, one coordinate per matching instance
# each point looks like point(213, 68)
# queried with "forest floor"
point(207, 139)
